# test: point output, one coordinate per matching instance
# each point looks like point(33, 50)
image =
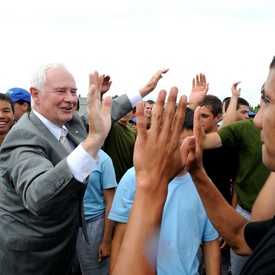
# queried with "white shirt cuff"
point(134, 98)
point(81, 163)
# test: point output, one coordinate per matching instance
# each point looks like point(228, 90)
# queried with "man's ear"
point(219, 117)
point(35, 95)
point(25, 106)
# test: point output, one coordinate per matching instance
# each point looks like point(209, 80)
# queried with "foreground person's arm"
point(224, 218)
point(138, 249)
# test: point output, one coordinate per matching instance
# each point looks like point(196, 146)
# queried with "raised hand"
point(191, 147)
point(98, 112)
point(157, 159)
point(151, 85)
point(106, 84)
point(236, 92)
point(199, 90)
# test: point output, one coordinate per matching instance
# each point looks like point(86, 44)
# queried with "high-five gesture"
point(98, 115)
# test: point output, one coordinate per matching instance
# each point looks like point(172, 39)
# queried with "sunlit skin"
point(265, 120)
point(208, 121)
point(58, 99)
point(148, 111)
point(242, 113)
point(6, 119)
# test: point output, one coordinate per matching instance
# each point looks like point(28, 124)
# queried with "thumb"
point(107, 104)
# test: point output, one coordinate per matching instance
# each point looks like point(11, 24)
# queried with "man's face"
point(265, 120)
point(208, 121)
point(59, 97)
point(6, 117)
point(242, 113)
point(148, 111)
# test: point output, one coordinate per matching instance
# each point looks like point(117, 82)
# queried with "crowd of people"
point(176, 186)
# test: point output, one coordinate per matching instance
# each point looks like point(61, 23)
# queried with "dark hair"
point(188, 120)
point(5, 97)
point(149, 101)
point(241, 101)
point(21, 102)
point(213, 103)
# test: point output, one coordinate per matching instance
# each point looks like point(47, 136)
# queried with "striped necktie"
point(64, 140)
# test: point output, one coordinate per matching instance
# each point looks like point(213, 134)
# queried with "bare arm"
point(105, 246)
point(211, 140)
point(152, 181)
point(264, 205)
point(224, 218)
point(212, 257)
point(230, 115)
point(234, 201)
point(119, 231)
point(151, 85)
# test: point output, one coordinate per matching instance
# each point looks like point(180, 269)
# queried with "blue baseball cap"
point(134, 120)
point(19, 94)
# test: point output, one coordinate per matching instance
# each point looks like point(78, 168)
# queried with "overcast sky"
point(228, 41)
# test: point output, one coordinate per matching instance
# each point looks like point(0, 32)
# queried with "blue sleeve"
point(108, 176)
point(124, 197)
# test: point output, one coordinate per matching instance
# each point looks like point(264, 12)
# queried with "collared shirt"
point(80, 163)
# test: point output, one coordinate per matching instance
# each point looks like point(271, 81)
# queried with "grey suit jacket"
point(40, 204)
point(40, 200)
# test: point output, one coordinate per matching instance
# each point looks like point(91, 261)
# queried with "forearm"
point(212, 257)
point(234, 201)
point(144, 223)
point(109, 226)
point(230, 115)
point(223, 217)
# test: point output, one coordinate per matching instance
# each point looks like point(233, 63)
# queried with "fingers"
point(96, 80)
point(197, 129)
point(169, 112)
point(157, 114)
point(141, 123)
point(179, 118)
point(200, 80)
point(162, 71)
point(107, 104)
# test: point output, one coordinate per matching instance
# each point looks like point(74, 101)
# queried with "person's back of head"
point(213, 103)
point(188, 120)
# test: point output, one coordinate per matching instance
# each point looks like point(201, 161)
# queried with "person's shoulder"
point(103, 156)
point(129, 177)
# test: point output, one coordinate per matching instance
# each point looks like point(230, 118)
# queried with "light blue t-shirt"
point(184, 223)
point(102, 177)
